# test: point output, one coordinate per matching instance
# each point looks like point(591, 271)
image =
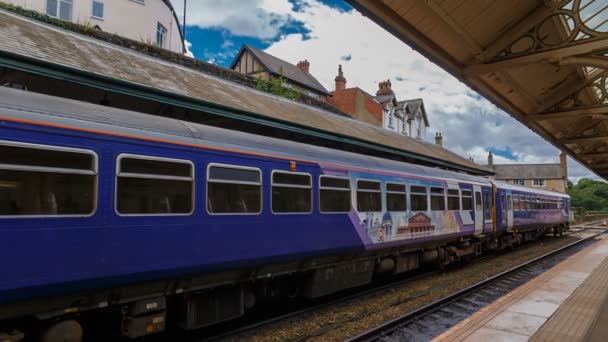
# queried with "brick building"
point(383, 110)
point(552, 177)
point(355, 102)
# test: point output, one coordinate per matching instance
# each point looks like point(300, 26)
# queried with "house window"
point(403, 126)
point(390, 120)
point(539, 182)
point(519, 182)
point(97, 9)
point(161, 35)
point(61, 9)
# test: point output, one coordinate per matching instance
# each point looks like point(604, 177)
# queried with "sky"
point(330, 32)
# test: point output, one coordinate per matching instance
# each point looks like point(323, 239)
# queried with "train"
point(157, 220)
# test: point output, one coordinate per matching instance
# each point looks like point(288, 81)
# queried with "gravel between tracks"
point(356, 316)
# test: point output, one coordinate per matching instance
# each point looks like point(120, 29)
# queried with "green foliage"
point(589, 195)
point(274, 85)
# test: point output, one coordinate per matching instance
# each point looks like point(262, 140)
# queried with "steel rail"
point(381, 331)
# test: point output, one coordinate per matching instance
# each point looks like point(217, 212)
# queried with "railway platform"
point(569, 302)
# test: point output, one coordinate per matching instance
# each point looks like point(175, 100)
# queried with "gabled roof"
point(412, 106)
point(382, 99)
point(37, 48)
point(528, 171)
point(278, 66)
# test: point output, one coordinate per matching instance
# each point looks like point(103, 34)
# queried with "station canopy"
point(545, 62)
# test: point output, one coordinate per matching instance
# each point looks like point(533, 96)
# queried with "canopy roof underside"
point(545, 62)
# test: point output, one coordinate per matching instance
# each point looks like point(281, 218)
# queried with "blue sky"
point(221, 45)
point(330, 32)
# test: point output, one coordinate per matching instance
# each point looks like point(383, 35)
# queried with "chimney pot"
point(490, 159)
point(384, 88)
point(340, 80)
point(304, 65)
point(439, 139)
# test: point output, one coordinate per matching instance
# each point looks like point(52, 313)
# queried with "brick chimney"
point(563, 164)
point(304, 65)
point(490, 160)
point(438, 139)
point(340, 80)
point(384, 88)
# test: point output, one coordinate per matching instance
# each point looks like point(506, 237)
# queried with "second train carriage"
point(102, 207)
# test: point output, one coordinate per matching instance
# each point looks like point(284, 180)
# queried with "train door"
point(509, 209)
point(478, 209)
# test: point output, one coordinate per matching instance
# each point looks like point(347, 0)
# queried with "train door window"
point(369, 196)
point(509, 203)
point(487, 206)
point(478, 204)
point(41, 180)
point(291, 192)
point(154, 186)
point(396, 197)
point(453, 199)
point(234, 189)
point(437, 199)
point(334, 194)
point(418, 198)
point(467, 200)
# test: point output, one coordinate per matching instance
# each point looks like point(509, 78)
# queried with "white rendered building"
point(148, 21)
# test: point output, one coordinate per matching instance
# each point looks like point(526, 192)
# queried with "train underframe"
point(201, 301)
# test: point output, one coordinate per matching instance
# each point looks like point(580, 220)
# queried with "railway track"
point(433, 319)
point(232, 333)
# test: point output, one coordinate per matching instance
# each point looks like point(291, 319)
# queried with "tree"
point(276, 85)
point(589, 195)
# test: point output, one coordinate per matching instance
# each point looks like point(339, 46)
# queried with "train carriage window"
point(467, 200)
point(334, 194)
point(369, 196)
point(437, 199)
point(453, 199)
point(396, 197)
point(234, 189)
point(418, 198)
point(154, 186)
point(291, 192)
point(41, 180)
point(515, 202)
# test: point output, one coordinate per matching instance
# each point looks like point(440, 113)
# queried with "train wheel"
point(63, 331)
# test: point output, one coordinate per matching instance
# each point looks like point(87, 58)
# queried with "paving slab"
point(562, 304)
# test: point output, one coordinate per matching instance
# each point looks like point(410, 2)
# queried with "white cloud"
point(188, 49)
point(251, 18)
point(470, 125)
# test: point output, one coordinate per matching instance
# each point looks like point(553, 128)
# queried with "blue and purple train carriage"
point(103, 208)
